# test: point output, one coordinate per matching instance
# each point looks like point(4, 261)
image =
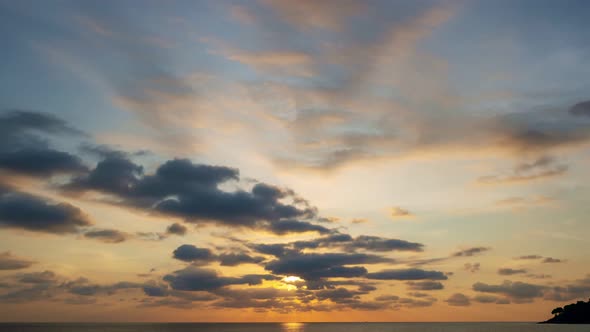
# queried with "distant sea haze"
point(289, 327)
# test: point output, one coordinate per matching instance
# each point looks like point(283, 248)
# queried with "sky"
point(287, 161)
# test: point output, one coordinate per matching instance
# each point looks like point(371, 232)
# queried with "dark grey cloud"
point(543, 167)
point(33, 213)
point(539, 276)
point(33, 293)
point(191, 191)
point(337, 294)
point(277, 249)
point(166, 302)
point(458, 299)
point(318, 284)
point(325, 265)
point(552, 260)
point(47, 285)
point(83, 287)
point(40, 162)
point(542, 131)
point(282, 227)
point(190, 253)
point(578, 289)
point(510, 271)
point(425, 285)
point(348, 243)
point(38, 277)
point(203, 256)
point(470, 252)
point(580, 109)
point(107, 235)
point(176, 229)
point(10, 262)
point(490, 299)
point(529, 257)
point(151, 236)
point(156, 290)
point(407, 274)
point(379, 244)
point(233, 259)
point(106, 151)
point(515, 290)
point(25, 149)
point(396, 302)
point(193, 278)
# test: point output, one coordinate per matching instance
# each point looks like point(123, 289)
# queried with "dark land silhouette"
point(575, 313)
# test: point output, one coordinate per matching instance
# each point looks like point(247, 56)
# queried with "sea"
point(290, 327)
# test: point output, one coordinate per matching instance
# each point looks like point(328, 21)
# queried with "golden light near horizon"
point(293, 160)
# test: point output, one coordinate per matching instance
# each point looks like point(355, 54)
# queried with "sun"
point(292, 279)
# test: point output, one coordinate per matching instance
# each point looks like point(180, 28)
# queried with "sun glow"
point(292, 279)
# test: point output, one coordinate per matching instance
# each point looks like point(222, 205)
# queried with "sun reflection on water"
point(293, 327)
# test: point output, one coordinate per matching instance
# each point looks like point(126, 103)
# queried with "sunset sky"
point(275, 160)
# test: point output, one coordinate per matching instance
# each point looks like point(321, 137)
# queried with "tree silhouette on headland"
point(575, 313)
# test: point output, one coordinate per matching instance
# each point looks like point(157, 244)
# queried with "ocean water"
point(294, 327)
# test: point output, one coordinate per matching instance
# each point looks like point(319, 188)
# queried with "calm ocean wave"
point(292, 327)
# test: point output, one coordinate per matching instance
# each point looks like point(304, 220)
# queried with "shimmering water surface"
point(296, 327)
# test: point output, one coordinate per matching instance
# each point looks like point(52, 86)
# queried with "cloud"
point(329, 220)
point(470, 252)
point(459, 300)
point(325, 265)
point(84, 287)
point(552, 260)
point(23, 150)
point(579, 289)
point(359, 220)
point(398, 212)
point(33, 213)
point(362, 242)
point(176, 229)
point(233, 259)
point(472, 267)
point(530, 257)
point(191, 191)
point(515, 290)
point(277, 249)
point(397, 302)
point(541, 168)
point(580, 109)
point(190, 253)
point(509, 271)
point(379, 244)
point(47, 285)
point(202, 256)
point(407, 274)
point(544, 259)
point(193, 278)
point(424, 285)
point(337, 294)
point(44, 277)
point(283, 227)
point(539, 276)
point(107, 235)
point(10, 262)
point(490, 299)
